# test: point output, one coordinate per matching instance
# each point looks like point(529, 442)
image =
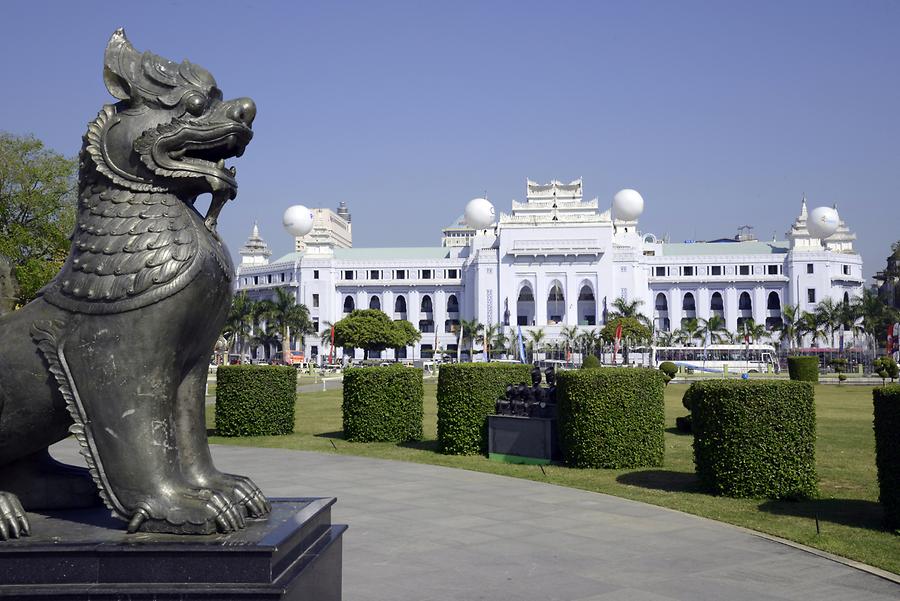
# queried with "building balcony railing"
point(718, 278)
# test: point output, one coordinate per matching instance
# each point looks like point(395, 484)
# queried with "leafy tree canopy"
point(373, 330)
point(37, 211)
point(632, 329)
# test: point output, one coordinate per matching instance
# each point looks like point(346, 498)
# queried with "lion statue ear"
point(119, 59)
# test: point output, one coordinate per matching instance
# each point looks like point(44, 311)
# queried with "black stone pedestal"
point(518, 439)
point(85, 554)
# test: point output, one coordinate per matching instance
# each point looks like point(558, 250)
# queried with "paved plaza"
point(421, 532)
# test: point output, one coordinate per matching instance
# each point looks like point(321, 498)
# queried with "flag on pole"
point(618, 340)
point(521, 346)
point(331, 354)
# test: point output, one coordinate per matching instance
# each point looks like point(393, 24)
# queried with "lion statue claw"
point(115, 350)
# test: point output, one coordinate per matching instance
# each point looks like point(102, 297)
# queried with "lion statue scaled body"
point(116, 349)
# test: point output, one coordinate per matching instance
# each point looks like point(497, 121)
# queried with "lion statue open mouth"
point(116, 348)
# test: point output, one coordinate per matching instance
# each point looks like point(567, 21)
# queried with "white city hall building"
point(557, 260)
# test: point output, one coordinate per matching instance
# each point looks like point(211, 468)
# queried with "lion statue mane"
point(116, 348)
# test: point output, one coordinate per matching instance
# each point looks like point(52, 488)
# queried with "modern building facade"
point(557, 260)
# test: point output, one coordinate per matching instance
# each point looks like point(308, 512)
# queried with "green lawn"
point(848, 510)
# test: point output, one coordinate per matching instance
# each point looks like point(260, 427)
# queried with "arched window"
point(662, 304)
point(556, 304)
point(689, 304)
point(716, 304)
point(744, 302)
point(400, 305)
point(661, 318)
point(773, 303)
point(426, 304)
point(525, 306)
point(349, 305)
point(847, 299)
point(587, 306)
point(452, 304)
point(375, 303)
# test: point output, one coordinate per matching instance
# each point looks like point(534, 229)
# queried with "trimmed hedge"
point(383, 404)
point(754, 438)
point(803, 369)
point(467, 393)
point(887, 450)
point(611, 417)
point(255, 400)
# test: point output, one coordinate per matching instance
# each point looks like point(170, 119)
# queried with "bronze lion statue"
point(116, 348)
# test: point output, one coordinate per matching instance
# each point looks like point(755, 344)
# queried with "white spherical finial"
point(479, 213)
point(298, 220)
point(627, 205)
point(822, 222)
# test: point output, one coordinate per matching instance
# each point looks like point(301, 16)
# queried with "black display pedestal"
point(517, 439)
point(85, 554)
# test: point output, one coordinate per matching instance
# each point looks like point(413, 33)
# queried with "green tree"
point(472, 332)
point(624, 308)
point(536, 344)
point(267, 338)
point(286, 317)
point(828, 314)
point(791, 326)
point(37, 211)
point(569, 337)
point(404, 334)
point(712, 329)
point(489, 334)
point(754, 331)
point(633, 332)
point(239, 322)
point(812, 327)
point(689, 332)
point(373, 330)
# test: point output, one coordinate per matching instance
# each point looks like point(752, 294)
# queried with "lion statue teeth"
point(115, 350)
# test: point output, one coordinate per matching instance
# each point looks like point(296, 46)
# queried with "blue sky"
point(720, 114)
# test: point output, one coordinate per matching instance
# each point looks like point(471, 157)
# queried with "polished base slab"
point(517, 439)
point(86, 554)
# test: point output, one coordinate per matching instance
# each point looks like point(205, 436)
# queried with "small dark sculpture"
point(116, 349)
point(530, 401)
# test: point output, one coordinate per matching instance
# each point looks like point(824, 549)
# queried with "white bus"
point(720, 358)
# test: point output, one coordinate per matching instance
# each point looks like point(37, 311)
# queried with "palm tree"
point(489, 333)
point(623, 308)
point(325, 335)
point(712, 329)
point(237, 326)
point(754, 331)
point(569, 336)
point(810, 324)
point(265, 338)
point(664, 338)
point(502, 342)
point(828, 314)
point(284, 315)
point(472, 330)
point(537, 341)
point(690, 331)
point(790, 326)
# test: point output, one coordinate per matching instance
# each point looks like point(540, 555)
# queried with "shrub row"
point(255, 400)
point(887, 450)
point(467, 393)
point(611, 417)
point(803, 369)
point(382, 404)
point(754, 438)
